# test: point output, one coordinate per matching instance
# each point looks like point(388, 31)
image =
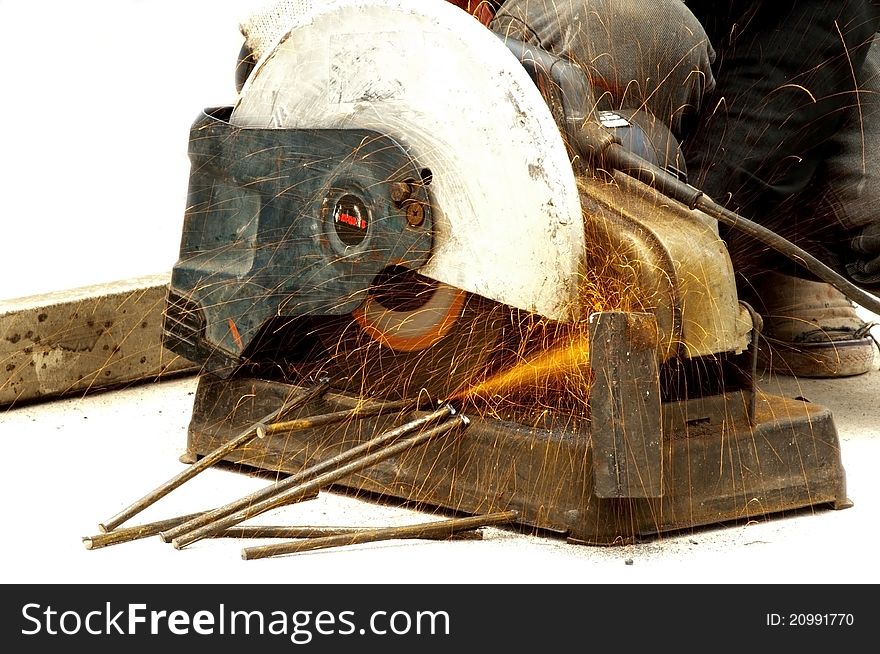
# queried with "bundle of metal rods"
point(224, 521)
point(239, 441)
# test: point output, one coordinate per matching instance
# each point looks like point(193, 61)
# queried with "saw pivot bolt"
point(402, 197)
point(400, 193)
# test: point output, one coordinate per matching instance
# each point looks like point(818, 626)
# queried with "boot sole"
point(829, 359)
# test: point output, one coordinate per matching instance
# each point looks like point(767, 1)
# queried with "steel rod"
point(293, 493)
point(244, 437)
point(423, 530)
point(307, 473)
point(274, 531)
point(135, 532)
point(356, 413)
point(128, 534)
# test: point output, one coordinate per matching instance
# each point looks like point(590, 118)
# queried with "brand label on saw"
point(354, 221)
point(350, 218)
point(610, 119)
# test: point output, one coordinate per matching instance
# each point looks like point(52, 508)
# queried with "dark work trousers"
point(844, 195)
point(638, 54)
point(788, 136)
point(776, 107)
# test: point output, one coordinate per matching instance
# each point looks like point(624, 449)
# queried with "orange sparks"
point(571, 358)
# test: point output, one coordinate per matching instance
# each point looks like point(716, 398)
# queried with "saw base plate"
point(718, 471)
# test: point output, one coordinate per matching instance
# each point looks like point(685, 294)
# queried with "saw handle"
point(605, 151)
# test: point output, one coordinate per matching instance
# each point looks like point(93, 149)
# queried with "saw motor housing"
point(359, 244)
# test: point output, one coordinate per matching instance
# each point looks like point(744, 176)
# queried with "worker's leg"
point(639, 54)
point(778, 138)
point(847, 188)
point(786, 79)
point(844, 198)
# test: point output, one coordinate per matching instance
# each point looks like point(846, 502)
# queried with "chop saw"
point(408, 206)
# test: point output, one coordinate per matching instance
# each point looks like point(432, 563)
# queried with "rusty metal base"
point(714, 472)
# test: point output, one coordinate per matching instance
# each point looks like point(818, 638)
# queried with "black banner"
point(427, 618)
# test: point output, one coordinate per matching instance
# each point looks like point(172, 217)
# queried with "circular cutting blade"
point(413, 337)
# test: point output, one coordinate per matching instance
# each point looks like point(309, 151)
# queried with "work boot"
point(810, 329)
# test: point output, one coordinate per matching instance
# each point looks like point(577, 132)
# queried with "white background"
point(97, 101)
point(98, 98)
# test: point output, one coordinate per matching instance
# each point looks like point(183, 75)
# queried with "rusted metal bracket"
point(625, 405)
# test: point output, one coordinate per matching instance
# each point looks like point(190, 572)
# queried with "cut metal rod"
point(244, 437)
point(436, 529)
point(147, 529)
point(134, 533)
point(274, 531)
point(128, 534)
point(296, 491)
point(307, 473)
point(360, 411)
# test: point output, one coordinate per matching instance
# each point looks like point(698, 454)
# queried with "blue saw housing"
point(286, 222)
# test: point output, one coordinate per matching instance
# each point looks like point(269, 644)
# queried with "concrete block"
point(85, 339)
